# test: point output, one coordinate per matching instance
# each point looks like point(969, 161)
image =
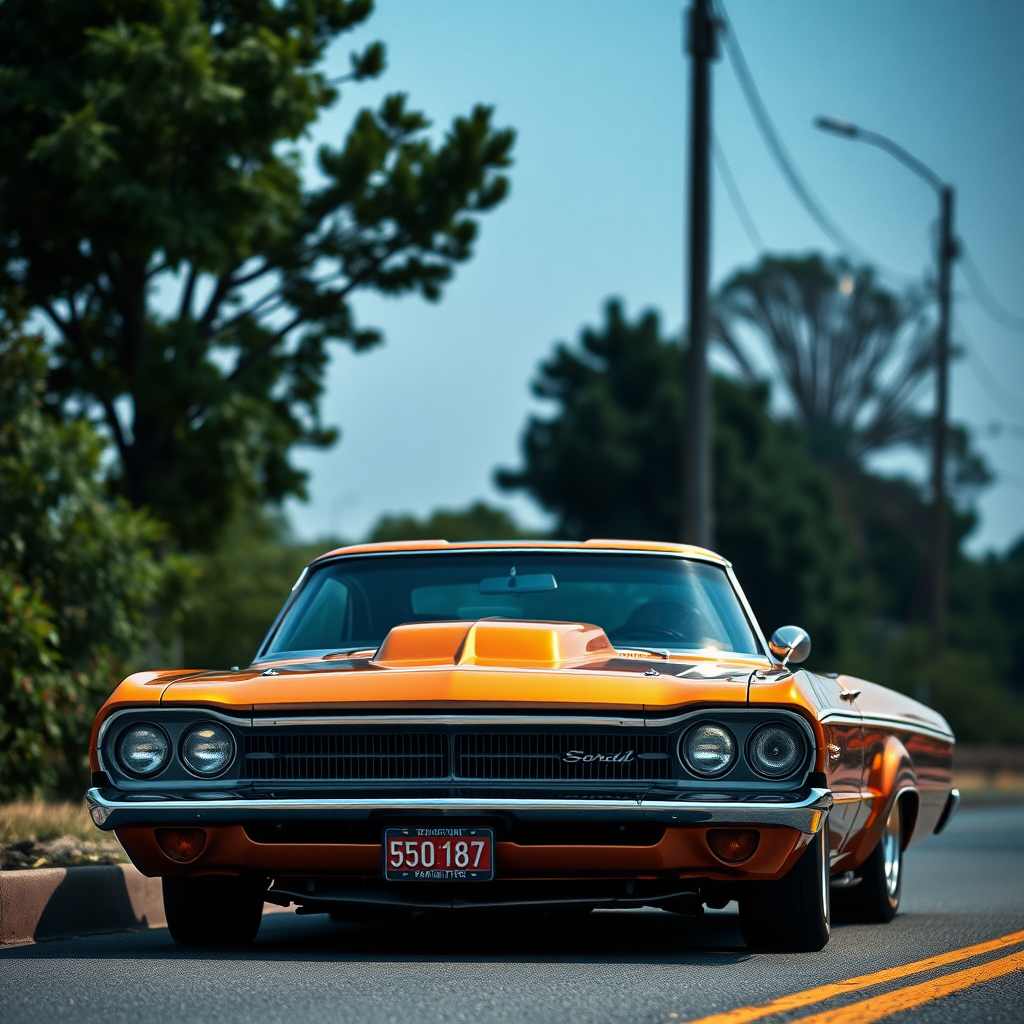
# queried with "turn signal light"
point(182, 844)
point(733, 845)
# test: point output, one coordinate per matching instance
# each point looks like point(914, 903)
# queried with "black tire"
point(793, 914)
point(875, 897)
point(213, 910)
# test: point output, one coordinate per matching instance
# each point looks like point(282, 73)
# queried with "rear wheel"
point(876, 897)
point(791, 914)
point(213, 910)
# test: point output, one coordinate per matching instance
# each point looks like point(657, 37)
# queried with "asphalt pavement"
point(643, 967)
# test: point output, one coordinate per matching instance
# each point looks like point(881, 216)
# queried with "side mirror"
point(790, 644)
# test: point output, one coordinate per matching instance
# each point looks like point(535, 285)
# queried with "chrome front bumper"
point(807, 815)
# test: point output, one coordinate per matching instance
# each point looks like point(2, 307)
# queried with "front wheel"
point(875, 896)
point(213, 910)
point(792, 914)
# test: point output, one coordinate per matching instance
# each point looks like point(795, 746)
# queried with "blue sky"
point(598, 94)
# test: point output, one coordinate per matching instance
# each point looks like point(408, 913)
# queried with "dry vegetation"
point(39, 834)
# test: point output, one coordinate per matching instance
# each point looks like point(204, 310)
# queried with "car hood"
point(484, 664)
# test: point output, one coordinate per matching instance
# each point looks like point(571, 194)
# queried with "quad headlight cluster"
point(774, 750)
point(206, 749)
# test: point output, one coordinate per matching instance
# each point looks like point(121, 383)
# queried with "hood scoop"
point(493, 643)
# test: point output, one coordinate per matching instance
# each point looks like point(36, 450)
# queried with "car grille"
point(568, 756)
point(489, 755)
point(357, 756)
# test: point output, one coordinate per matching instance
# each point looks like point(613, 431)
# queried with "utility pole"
point(947, 253)
point(702, 46)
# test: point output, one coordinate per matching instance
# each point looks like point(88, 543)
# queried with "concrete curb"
point(60, 903)
point(53, 903)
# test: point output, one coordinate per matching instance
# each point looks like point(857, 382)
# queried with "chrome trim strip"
point(533, 549)
point(886, 721)
point(454, 720)
point(749, 612)
point(849, 798)
point(806, 815)
point(765, 711)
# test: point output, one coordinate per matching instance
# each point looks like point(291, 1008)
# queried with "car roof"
point(687, 550)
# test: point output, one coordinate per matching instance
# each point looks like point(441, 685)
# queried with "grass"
point(41, 820)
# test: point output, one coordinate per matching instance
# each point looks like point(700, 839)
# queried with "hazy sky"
point(598, 95)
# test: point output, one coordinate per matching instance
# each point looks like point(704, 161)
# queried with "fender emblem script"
point(580, 757)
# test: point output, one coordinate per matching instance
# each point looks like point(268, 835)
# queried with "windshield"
point(639, 600)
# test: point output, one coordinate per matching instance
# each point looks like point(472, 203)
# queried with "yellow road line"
point(822, 992)
point(914, 995)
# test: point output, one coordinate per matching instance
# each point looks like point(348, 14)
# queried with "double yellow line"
point(868, 1010)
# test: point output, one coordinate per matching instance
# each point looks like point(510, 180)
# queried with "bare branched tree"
point(851, 356)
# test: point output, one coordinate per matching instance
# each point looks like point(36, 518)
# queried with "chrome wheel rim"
point(892, 852)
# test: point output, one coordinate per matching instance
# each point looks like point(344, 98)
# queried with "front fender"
point(889, 777)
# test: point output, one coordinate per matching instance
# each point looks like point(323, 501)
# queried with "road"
point(641, 967)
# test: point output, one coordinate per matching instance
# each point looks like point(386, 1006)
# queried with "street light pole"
point(947, 253)
point(695, 505)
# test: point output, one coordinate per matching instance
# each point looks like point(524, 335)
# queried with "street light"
point(946, 254)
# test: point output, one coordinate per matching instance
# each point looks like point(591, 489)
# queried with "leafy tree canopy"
point(149, 151)
point(77, 581)
point(606, 463)
point(239, 588)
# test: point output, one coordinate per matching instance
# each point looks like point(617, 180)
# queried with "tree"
point(77, 581)
point(851, 356)
point(606, 463)
point(852, 359)
point(479, 521)
point(155, 160)
point(240, 586)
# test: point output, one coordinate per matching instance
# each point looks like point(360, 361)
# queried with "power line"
point(782, 157)
point(988, 301)
point(814, 207)
point(989, 382)
point(999, 428)
point(735, 197)
point(777, 148)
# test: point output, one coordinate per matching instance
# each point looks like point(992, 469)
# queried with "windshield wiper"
point(345, 651)
point(661, 652)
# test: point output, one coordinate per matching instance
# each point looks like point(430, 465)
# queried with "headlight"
point(143, 750)
point(708, 750)
point(207, 749)
point(776, 750)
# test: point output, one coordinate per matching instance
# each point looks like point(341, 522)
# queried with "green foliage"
point(852, 359)
point(78, 585)
point(240, 587)
point(964, 685)
point(816, 539)
point(479, 521)
point(155, 144)
point(606, 463)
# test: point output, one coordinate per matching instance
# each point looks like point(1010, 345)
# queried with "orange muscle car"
point(559, 726)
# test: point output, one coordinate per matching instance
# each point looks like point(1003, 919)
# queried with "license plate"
point(438, 854)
